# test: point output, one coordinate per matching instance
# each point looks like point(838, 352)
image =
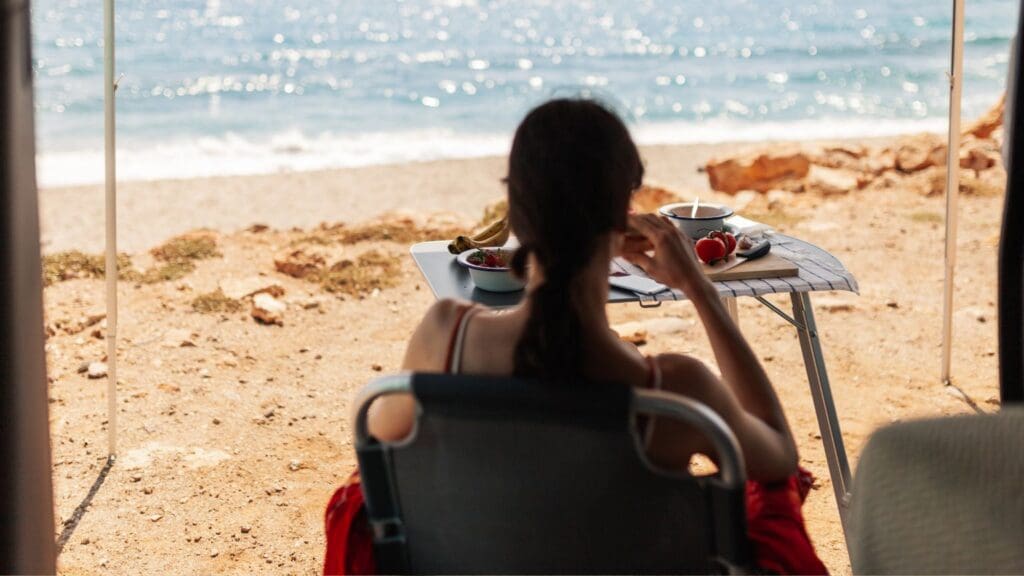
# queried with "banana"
point(497, 239)
point(459, 245)
point(494, 234)
point(491, 229)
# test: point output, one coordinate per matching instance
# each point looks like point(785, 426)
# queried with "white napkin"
point(746, 226)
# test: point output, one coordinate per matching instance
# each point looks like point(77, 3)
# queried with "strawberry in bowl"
point(490, 258)
point(490, 269)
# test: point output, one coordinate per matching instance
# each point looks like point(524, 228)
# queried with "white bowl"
point(709, 218)
point(491, 279)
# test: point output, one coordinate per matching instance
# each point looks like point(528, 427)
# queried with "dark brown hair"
point(571, 172)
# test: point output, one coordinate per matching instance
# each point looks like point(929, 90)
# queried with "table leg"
point(732, 308)
point(824, 407)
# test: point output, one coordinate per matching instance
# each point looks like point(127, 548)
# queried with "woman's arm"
point(674, 264)
point(391, 418)
point(740, 367)
point(768, 453)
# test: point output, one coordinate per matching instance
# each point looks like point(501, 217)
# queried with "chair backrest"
point(511, 476)
point(941, 496)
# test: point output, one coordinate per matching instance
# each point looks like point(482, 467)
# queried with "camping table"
point(818, 271)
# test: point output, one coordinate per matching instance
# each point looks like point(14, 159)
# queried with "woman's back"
point(572, 169)
point(459, 338)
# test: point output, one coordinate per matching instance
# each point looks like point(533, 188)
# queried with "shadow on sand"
point(72, 523)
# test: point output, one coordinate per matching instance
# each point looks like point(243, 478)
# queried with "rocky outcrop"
point(989, 122)
point(919, 152)
point(268, 310)
point(300, 263)
point(916, 162)
point(761, 172)
point(650, 198)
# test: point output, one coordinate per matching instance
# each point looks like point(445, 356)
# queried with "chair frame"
point(386, 520)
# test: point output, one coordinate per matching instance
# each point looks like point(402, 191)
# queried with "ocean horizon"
point(225, 87)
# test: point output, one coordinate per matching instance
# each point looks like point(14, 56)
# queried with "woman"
point(572, 169)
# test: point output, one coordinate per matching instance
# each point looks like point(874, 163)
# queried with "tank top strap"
point(654, 383)
point(453, 365)
point(654, 373)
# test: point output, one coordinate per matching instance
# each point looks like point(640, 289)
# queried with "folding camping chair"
point(941, 496)
point(511, 476)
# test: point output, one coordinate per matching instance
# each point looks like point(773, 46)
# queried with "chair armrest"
point(730, 458)
point(383, 386)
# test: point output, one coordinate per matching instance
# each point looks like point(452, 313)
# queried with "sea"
point(226, 87)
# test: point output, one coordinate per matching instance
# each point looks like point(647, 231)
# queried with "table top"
point(818, 271)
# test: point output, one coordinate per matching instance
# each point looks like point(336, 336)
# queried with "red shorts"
point(775, 525)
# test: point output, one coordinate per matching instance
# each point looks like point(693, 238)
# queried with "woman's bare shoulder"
point(443, 314)
point(429, 343)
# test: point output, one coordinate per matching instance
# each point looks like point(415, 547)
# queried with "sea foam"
point(292, 151)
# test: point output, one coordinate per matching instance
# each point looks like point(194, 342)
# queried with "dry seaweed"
point(369, 271)
point(402, 231)
point(73, 264)
point(927, 217)
point(216, 301)
point(187, 248)
point(179, 255)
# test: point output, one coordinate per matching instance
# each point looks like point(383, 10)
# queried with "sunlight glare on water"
point(365, 82)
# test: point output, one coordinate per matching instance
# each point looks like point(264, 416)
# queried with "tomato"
point(710, 249)
point(727, 239)
point(730, 243)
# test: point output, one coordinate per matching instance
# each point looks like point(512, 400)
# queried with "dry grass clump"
point(179, 255)
point(385, 231)
point(214, 302)
point(73, 264)
point(927, 217)
point(400, 230)
point(177, 258)
point(187, 247)
point(369, 271)
point(314, 238)
point(166, 272)
point(372, 270)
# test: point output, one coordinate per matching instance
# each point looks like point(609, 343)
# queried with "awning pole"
point(952, 184)
point(111, 222)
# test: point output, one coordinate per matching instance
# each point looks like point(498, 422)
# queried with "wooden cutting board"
point(768, 266)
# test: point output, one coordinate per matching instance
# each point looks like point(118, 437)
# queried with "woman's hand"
point(673, 263)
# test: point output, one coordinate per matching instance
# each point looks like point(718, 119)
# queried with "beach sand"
point(150, 212)
point(234, 434)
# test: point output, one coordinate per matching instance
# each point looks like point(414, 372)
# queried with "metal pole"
point(952, 184)
point(111, 217)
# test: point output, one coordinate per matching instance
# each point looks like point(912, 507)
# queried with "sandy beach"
point(234, 433)
point(151, 212)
